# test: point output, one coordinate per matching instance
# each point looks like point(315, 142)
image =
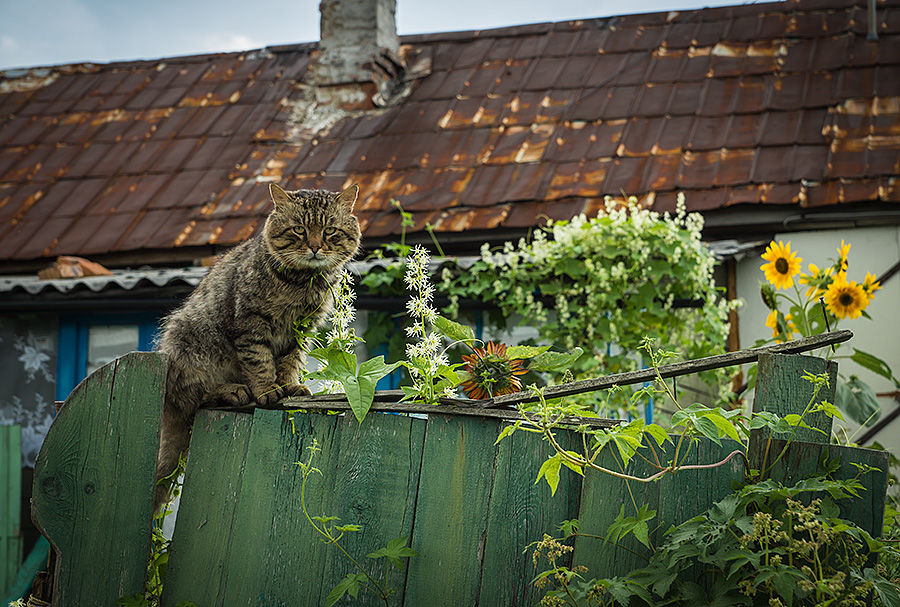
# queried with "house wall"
point(872, 250)
point(28, 361)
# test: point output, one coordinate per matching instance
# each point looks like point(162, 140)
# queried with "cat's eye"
point(299, 231)
point(330, 231)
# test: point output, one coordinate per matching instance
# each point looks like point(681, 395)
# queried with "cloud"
point(218, 42)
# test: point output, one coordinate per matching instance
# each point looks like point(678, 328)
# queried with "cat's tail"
point(175, 438)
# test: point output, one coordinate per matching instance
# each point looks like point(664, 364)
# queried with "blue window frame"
point(72, 343)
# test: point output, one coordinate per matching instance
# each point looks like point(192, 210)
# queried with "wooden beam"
point(500, 407)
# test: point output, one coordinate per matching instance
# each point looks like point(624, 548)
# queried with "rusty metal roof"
point(764, 104)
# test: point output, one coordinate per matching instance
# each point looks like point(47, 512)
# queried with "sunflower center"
point(782, 266)
point(846, 299)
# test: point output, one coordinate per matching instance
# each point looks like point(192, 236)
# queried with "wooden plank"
point(388, 399)
point(452, 511)
point(331, 402)
point(204, 531)
point(521, 512)
point(93, 481)
point(689, 367)
point(781, 389)
point(602, 498)
point(687, 493)
point(10, 505)
point(374, 485)
point(293, 563)
point(801, 460)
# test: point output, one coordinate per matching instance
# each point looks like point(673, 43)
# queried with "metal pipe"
point(873, 22)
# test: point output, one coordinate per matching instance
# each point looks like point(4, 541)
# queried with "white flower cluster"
point(344, 311)
point(427, 349)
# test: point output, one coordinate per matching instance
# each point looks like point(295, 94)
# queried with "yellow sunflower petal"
point(782, 265)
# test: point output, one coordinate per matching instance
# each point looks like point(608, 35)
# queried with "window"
point(89, 341)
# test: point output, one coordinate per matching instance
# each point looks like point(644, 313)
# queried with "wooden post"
point(10, 505)
point(781, 389)
point(94, 478)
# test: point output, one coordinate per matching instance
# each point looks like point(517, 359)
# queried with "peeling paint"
point(23, 81)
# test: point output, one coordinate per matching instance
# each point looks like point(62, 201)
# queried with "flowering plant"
point(830, 296)
point(605, 283)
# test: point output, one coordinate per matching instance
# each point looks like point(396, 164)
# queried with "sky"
point(51, 32)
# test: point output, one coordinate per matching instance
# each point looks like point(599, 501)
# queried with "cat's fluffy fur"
point(233, 339)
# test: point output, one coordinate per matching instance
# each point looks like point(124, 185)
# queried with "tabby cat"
point(233, 339)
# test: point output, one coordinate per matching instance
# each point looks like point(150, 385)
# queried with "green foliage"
point(606, 283)
point(363, 577)
point(358, 382)
point(765, 544)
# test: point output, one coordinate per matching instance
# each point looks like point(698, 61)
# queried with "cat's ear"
point(348, 196)
point(279, 196)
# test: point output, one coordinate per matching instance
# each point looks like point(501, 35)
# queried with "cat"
point(233, 340)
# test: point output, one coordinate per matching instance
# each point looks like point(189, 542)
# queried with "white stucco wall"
point(874, 250)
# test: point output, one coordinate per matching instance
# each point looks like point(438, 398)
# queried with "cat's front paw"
point(231, 395)
point(268, 395)
point(296, 390)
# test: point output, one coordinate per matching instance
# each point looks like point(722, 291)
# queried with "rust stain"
point(183, 235)
point(24, 81)
point(533, 148)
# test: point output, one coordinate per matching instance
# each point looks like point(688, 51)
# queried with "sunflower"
point(845, 298)
point(843, 251)
point(817, 280)
point(491, 372)
point(870, 285)
point(782, 266)
point(783, 327)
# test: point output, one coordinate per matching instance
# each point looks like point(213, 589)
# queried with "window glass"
point(108, 342)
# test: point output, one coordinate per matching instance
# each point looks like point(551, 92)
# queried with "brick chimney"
point(357, 65)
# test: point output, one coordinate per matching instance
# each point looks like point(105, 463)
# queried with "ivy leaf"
point(551, 361)
point(550, 471)
point(348, 585)
point(395, 550)
point(454, 330)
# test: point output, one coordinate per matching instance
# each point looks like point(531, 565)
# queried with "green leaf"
point(887, 591)
point(348, 585)
point(726, 427)
point(361, 389)
point(855, 398)
point(507, 430)
point(395, 550)
point(550, 471)
point(454, 330)
point(874, 364)
point(551, 361)
point(525, 351)
point(708, 428)
point(658, 433)
point(572, 466)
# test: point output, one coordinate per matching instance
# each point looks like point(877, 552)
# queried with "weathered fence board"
point(93, 478)
point(10, 505)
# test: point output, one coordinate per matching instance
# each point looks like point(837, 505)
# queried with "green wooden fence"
point(10, 505)
point(468, 506)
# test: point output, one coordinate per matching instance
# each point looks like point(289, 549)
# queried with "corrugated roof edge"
point(127, 280)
